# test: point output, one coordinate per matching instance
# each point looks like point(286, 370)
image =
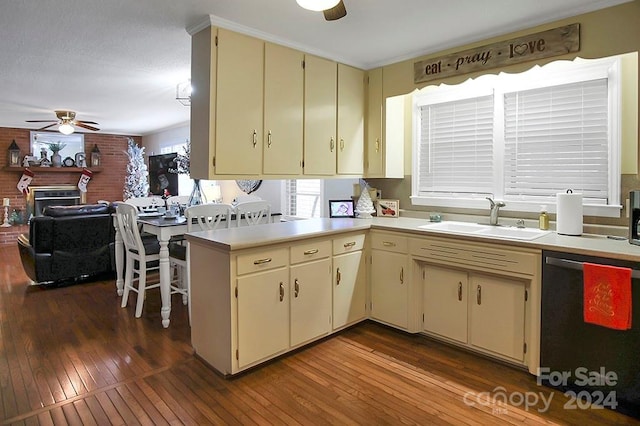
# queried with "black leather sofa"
point(69, 243)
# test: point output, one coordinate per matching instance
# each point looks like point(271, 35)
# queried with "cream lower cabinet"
point(479, 296)
point(349, 281)
point(390, 279)
point(310, 292)
point(497, 315)
point(444, 301)
point(263, 315)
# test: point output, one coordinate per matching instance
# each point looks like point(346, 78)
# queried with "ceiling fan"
point(332, 9)
point(67, 121)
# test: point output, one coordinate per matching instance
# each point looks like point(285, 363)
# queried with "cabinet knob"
point(479, 295)
point(460, 291)
point(296, 288)
point(262, 261)
point(388, 244)
point(331, 144)
point(269, 139)
point(255, 137)
point(341, 144)
point(402, 275)
point(349, 244)
point(338, 276)
point(312, 251)
point(281, 291)
point(377, 144)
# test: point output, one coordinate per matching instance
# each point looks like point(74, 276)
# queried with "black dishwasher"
point(589, 362)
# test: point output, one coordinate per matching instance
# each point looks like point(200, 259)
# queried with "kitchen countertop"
point(265, 235)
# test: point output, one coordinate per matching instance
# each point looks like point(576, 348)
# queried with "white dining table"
point(163, 229)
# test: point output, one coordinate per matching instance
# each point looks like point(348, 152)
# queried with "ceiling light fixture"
point(66, 128)
point(183, 93)
point(317, 5)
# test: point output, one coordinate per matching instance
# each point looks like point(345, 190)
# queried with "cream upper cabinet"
point(350, 120)
point(283, 110)
point(373, 134)
point(203, 106)
point(239, 104)
point(320, 106)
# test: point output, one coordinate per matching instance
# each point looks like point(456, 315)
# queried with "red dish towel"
point(607, 296)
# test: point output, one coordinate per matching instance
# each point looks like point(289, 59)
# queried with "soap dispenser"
point(543, 220)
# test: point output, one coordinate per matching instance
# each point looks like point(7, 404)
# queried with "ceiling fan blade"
point(41, 121)
point(46, 127)
point(86, 126)
point(86, 122)
point(336, 12)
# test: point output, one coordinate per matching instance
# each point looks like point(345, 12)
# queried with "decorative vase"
point(56, 159)
point(196, 197)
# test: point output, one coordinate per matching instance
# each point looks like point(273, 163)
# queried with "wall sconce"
point(14, 154)
point(183, 93)
point(95, 156)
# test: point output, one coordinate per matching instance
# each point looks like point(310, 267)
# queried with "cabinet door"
point(389, 288)
point(239, 104)
point(445, 302)
point(320, 106)
point(310, 300)
point(350, 120)
point(497, 315)
point(349, 289)
point(263, 315)
point(283, 110)
point(373, 142)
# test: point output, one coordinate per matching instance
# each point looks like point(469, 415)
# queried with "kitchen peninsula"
point(260, 292)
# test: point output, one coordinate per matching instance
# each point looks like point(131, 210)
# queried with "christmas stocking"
point(25, 180)
point(85, 177)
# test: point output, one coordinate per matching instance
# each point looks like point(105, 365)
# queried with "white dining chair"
point(203, 217)
point(146, 203)
point(253, 213)
point(141, 256)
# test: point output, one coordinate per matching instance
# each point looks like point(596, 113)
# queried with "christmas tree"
point(136, 183)
point(364, 207)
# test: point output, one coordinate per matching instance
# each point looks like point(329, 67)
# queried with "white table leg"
point(119, 249)
point(165, 281)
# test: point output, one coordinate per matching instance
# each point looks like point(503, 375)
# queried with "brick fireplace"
point(107, 184)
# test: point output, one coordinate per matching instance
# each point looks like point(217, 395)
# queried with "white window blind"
point(456, 147)
point(303, 198)
point(556, 138)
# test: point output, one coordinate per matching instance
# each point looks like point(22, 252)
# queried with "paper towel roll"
point(569, 213)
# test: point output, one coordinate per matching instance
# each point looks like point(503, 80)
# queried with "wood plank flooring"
point(71, 355)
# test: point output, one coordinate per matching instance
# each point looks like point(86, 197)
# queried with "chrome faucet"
point(495, 206)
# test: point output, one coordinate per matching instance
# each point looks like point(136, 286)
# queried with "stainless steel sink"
point(505, 232)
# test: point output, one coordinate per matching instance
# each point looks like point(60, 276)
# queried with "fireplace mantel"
point(38, 169)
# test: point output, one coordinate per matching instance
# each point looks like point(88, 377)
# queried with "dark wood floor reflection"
point(71, 355)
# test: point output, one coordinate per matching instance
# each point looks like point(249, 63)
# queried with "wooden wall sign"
point(545, 44)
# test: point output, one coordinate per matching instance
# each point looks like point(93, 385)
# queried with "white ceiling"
point(117, 62)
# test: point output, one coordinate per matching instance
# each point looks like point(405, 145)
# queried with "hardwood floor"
point(71, 355)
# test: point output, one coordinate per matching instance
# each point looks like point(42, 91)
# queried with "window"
point(302, 198)
point(521, 138)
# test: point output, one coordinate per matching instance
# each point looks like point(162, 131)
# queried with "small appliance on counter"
point(634, 217)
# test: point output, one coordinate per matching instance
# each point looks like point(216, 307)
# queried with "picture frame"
point(341, 208)
point(388, 208)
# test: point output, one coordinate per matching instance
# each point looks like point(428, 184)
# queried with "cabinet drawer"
point(389, 242)
point(479, 256)
point(310, 251)
point(262, 260)
point(348, 243)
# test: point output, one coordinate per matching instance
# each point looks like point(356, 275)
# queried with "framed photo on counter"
point(341, 208)
point(388, 208)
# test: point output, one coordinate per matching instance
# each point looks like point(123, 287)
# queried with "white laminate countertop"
point(265, 235)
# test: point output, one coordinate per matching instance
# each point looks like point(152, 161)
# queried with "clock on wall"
point(248, 186)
